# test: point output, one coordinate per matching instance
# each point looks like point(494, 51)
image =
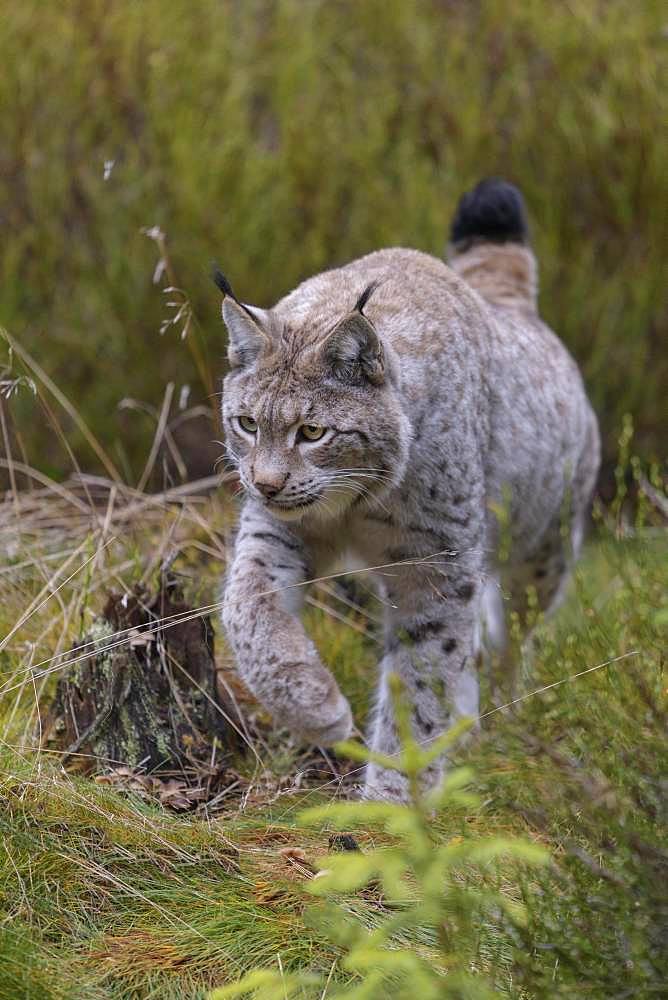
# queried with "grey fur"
point(446, 401)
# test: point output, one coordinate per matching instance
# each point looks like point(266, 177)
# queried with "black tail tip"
point(492, 211)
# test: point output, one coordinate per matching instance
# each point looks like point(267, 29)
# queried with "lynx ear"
point(355, 352)
point(246, 337)
point(354, 349)
point(246, 326)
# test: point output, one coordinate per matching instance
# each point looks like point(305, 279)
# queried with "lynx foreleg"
point(432, 636)
point(274, 656)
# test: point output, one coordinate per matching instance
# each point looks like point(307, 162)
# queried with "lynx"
point(388, 410)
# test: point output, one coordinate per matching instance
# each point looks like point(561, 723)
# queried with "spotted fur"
point(445, 398)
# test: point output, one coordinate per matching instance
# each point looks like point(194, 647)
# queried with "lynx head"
point(311, 413)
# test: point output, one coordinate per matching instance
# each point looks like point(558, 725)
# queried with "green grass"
point(103, 895)
point(282, 137)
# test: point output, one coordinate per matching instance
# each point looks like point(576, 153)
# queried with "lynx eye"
point(312, 432)
point(247, 424)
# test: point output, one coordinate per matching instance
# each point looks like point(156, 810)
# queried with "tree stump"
point(146, 698)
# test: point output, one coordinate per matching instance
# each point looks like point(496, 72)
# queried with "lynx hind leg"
point(540, 582)
point(533, 589)
point(538, 585)
point(493, 633)
point(584, 485)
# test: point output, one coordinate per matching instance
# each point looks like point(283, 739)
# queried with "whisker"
point(358, 488)
point(365, 473)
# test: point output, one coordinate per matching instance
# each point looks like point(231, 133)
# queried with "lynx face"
point(310, 437)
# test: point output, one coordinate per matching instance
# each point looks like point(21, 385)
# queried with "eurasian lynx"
point(387, 409)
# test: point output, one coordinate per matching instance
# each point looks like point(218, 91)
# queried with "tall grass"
point(283, 137)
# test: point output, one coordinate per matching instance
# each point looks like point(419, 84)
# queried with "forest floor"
point(107, 891)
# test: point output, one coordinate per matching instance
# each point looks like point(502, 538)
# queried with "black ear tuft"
point(221, 281)
point(493, 211)
point(366, 295)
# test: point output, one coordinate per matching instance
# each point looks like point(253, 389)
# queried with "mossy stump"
point(147, 697)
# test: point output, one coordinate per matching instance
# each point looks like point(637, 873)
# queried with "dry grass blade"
point(336, 615)
point(564, 680)
point(50, 590)
point(10, 461)
point(62, 399)
point(158, 436)
point(171, 620)
point(40, 477)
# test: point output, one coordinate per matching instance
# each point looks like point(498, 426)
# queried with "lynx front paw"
point(327, 724)
point(313, 707)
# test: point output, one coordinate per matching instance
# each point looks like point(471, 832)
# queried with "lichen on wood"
point(144, 692)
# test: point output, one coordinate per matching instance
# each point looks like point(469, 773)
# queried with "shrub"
point(424, 944)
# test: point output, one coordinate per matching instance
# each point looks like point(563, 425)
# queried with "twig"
point(158, 436)
point(659, 500)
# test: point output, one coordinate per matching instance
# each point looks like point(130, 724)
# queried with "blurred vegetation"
point(282, 137)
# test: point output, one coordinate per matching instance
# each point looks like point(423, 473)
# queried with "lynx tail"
point(489, 248)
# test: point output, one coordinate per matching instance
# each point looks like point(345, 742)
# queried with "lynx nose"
point(269, 485)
